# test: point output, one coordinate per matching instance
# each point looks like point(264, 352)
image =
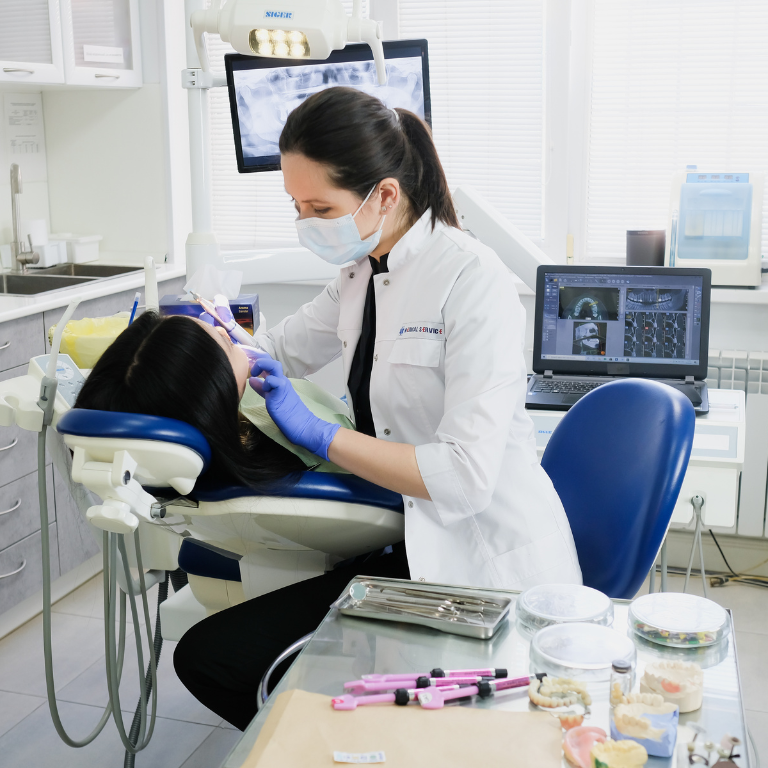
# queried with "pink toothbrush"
point(401, 696)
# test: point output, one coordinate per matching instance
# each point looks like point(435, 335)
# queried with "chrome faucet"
point(20, 256)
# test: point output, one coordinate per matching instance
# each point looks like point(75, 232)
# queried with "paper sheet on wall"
point(302, 730)
point(25, 134)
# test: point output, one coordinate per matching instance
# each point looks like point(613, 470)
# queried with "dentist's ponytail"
point(361, 142)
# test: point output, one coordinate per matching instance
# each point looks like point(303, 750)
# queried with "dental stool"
point(149, 472)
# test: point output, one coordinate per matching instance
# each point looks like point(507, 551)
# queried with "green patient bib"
point(324, 405)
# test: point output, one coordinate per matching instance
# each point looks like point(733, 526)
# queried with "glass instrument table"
point(344, 648)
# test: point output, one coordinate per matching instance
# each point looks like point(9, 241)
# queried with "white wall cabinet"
point(75, 42)
point(30, 42)
point(101, 42)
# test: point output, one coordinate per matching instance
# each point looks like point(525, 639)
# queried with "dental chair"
point(233, 542)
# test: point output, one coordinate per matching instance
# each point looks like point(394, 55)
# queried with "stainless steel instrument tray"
point(476, 613)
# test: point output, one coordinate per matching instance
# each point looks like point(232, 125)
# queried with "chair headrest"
point(81, 422)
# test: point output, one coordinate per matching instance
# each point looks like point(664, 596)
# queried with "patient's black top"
point(359, 381)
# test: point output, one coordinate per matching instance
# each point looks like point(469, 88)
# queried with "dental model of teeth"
point(551, 693)
point(677, 682)
point(618, 754)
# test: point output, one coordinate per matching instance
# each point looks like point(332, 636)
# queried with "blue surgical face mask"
point(338, 241)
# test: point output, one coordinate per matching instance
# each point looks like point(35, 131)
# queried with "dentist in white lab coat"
point(445, 394)
point(430, 330)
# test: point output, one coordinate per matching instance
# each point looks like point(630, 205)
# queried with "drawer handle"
point(116, 77)
point(10, 445)
point(13, 573)
point(19, 69)
point(12, 509)
point(6, 345)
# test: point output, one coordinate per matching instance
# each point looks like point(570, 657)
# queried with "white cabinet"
point(30, 42)
point(77, 42)
point(101, 42)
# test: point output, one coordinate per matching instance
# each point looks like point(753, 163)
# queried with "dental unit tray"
point(473, 613)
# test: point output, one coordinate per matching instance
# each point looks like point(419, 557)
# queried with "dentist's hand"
point(294, 419)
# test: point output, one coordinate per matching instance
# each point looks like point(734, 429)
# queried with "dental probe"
point(401, 696)
point(436, 672)
point(435, 698)
point(424, 681)
point(223, 316)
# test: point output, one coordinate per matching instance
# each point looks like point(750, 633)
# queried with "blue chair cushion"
point(134, 426)
point(311, 485)
point(200, 560)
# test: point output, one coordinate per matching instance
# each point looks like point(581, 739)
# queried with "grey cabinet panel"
point(78, 539)
point(16, 588)
point(108, 305)
point(18, 447)
point(19, 500)
point(20, 340)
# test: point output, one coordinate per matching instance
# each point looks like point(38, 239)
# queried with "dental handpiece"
point(219, 309)
point(423, 681)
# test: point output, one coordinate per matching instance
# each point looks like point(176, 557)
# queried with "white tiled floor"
point(189, 736)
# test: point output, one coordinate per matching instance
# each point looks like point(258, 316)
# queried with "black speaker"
point(645, 247)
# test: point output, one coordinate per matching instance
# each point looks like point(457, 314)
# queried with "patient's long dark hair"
point(170, 366)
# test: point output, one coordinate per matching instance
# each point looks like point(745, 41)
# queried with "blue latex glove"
point(287, 410)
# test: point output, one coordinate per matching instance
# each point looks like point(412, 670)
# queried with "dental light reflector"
point(280, 43)
point(288, 29)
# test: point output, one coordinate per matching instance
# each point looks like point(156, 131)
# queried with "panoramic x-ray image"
point(657, 299)
point(265, 97)
point(589, 303)
point(589, 338)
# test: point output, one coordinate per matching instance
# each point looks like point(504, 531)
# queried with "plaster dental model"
point(553, 692)
point(678, 682)
point(578, 743)
point(618, 754)
point(646, 717)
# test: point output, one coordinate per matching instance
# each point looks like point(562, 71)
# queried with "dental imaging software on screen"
point(622, 318)
point(266, 96)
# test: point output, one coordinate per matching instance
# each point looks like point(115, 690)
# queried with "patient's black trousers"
point(222, 659)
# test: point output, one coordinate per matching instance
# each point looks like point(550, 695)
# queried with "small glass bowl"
point(547, 604)
point(578, 650)
point(678, 620)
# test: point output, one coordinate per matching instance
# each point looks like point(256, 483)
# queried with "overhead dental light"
point(288, 29)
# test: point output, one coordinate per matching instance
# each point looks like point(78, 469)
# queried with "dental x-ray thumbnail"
point(589, 338)
point(589, 303)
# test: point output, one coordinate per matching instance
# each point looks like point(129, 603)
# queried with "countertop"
point(14, 307)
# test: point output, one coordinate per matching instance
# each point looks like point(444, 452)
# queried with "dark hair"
point(361, 142)
point(170, 366)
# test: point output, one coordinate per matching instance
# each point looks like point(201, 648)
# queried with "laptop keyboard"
point(560, 386)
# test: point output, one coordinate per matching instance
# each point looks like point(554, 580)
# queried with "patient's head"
point(183, 369)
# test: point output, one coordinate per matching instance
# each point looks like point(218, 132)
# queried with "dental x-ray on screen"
point(264, 91)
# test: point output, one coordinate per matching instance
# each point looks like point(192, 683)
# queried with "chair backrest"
point(617, 460)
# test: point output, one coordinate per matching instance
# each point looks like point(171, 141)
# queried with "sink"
point(32, 285)
point(85, 270)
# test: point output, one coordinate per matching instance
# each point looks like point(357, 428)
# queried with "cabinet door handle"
point(13, 573)
point(12, 509)
point(10, 445)
point(116, 77)
point(19, 69)
point(6, 345)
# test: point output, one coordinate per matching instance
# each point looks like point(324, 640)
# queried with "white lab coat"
point(449, 378)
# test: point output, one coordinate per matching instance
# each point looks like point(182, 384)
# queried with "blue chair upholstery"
point(617, 460)
point(134, 426)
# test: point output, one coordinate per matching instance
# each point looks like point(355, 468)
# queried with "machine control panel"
point(67, 374)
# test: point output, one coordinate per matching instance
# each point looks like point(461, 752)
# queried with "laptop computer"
point(597, 324)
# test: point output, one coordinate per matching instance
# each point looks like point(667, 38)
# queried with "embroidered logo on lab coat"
point(422, 331)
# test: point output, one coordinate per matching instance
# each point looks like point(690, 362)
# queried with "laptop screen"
point(622, 320)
